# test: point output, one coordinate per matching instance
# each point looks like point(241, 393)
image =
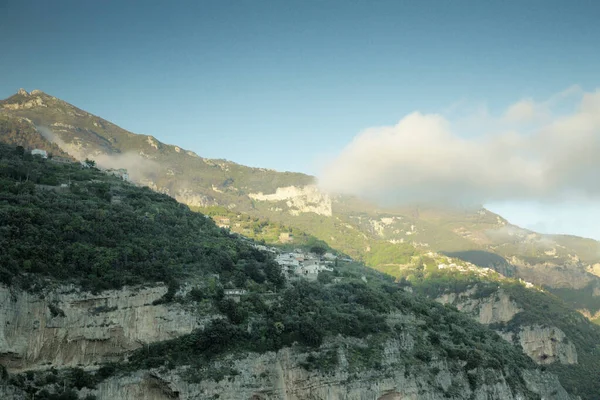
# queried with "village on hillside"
point(296, 264)
point(300, 263)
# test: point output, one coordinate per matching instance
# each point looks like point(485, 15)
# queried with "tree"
point(325, 277)
point(318, 250)
point(311, 333)
point(89, 162)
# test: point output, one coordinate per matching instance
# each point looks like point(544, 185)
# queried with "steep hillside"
point(20, 132)
point(384, 238)
point(180, 173)
point(548, 331)
point(113, 291)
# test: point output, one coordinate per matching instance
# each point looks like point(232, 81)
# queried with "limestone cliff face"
point(279, 376)
point(544, 345)
point(498, 307)
point(299, 199)
point(66, 327)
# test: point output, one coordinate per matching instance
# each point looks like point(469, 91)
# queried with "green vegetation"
point(55, 384)
point(580, 299)
point(263, 230)
point(80, 234)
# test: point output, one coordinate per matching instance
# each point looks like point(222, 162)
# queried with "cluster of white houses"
point(295, 265)
point(303, 264)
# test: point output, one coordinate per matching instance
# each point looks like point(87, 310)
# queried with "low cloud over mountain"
point(533, 151)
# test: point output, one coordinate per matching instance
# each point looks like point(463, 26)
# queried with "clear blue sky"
point(280, 84)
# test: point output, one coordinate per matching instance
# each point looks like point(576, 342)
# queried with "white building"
point(38, 152)
point(287, 260)
point(234, 292)
point(311, 262)
point(313, 269)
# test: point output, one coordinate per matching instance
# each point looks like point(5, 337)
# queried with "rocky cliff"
point(546, 345)
point(498, 307)
point(279, 376)
point(543, 344)
point(65, 327)
point(299, 199)
point(283, 375)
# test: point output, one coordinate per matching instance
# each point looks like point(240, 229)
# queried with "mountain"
point(113, 291)
point(526, 285)
point(384, 238)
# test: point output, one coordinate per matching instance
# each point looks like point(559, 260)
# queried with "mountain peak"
point(34, 92)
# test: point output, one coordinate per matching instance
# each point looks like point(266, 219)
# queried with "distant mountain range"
point(387, 239)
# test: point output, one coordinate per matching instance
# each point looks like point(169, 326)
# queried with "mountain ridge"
point(385, 238)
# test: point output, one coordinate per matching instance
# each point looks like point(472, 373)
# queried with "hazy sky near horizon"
point(291, 85)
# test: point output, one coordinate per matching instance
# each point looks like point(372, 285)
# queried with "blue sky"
point(288, 84)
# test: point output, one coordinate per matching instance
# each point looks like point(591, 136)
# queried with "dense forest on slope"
point(101, 233)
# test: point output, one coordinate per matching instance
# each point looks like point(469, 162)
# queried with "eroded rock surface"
point(66, 327)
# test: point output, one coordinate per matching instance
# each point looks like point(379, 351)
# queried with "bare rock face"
point(66, 327)
point(299, 199)
point(546, 345)
point(194, 199)
point(32, 103)
point(279, 376)
point(498, 307)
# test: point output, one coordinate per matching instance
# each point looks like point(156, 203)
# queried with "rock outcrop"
point(498, 307)
point(66, 327)
point(31, 103)
point(279, 376)
point(299, 199)
point(544, 345)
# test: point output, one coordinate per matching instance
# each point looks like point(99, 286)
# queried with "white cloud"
point(423, 158)
point(521, 111)
point(138, 167)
